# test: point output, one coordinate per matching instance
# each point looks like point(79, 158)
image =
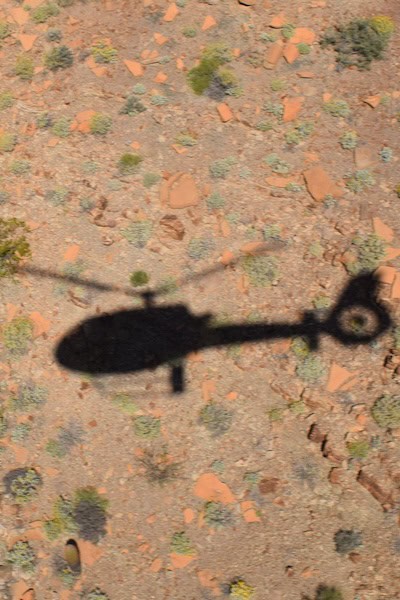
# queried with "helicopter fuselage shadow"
point(134, 340)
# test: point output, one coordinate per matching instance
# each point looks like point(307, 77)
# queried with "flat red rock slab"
point(180, 191)
point(320, 185)
point(292, 107)
point(382, 230)
point(210, 488)
point(179, 561)
point(338, 376)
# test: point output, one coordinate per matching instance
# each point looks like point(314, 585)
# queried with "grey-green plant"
point(14, 246)
point(5, 31)
point(22, 557)
point(216, 418)
point(311, 369)
point(60, 57)
point(54, 35)
point(386, 411)
point(28, 396)
point(220, 168)
point(189, 32)
point(147, 426)
point(100, 124)
point(181, 544)
point(358, 449)
point(150, 179)
point(44, 120)
point(218, 515)
point(337, 108)
point(215, 201)
point(186, 139)
point(349, 140)
point(347, 540)
point(125, 403)
point(96, 594)
point(104, 53)
point(62, 127)
point(370, 250)
point(278, 165)
point(6, 100)
point(200, 247)
point(139, 88)
point(20, 167)
point(386, 154)
point(24, 67)
point(22, 484)
point(8, 142)
point(138, 233)
point(359, 181)
point(128, 163)
point(17, 335)
point(20, 432)
point(159, 100)
point(274, 108)
point(133, 106)
point(262, 271)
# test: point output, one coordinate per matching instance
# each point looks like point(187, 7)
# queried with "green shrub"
point(60, 57)
point(125, 403)
point(100, 124)
point(158, 467)
point(276, 414)
point(216, 418)
point(337, 108)
point(262, 271)
point(310, 369)
point(44, 120)
point(53, 35)
point(8, 142)
point(17, 334)
point(240, 590)
point(150, 179)
point(215, 201)
point(43, 12)
point(217, 515)
point(57, 196)
point(349, 140)
point(384, 26)
point(371, 250)
point(328, 593)
point(202, 77)
point(128, 163)
point(138, 233)
point(181, 544)
point(5, 31)
point(386, 154)
point(287, 31)
point(186, 139)
point(358, 43)
point(64, 3)
point(22, 557)
point(24, 67)
point(13, 245)
point(147, 426)
point(277, 85)
point(220, 168)
point(190, 32)
point(303, 48)
point(62, 127)
point(277, 165)
point(300, 132)
point(139, 278)
point(22, 484)
point(20, 167)
point(274, 108)
point(358, 449)
point(28, 397)
point(386, 411)
point(139, 88)
point(96, 594)
point(104, 53)
point(347, 540)
point(6, 100)
point(62, 520)
point(359, 181)
point(132, 106)
point(200, 247)
point(20, 432)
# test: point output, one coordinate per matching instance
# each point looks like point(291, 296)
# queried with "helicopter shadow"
point(145, 338)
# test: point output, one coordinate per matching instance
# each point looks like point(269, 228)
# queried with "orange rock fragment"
point(180, 65)
point(208, 22)
point(188, 515)
point(373, 101)
point(292, 107)
point(160, 77)
point(305, 74)
point(386, 274)
point(210, 488)
point(179, 561)
point(72, 252)
point(134, 67)
point(89, 552)
point(156, 565)
point(319, 184)
point(395, 293)
point(40, 324)
point(224, 112)
point(382, 230)
point(337, 377)
point(160, 39)
point(278, 21)
point(19, 15)
point(180, 191)
point(302, 35)
point(254, 248)
point(172, 12)
point(249, 512)
point(277, 181)
point(232, 396)
point(290, 53)
point(26, 40)
point(274, 53)
point(227, 257)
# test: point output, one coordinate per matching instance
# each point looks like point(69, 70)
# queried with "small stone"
point(269, 485)
point(292, 107)
point(274, 53)
point(171, 13)
point(224, 112)
point(247, 2)
point(173, 227)
point(290, 53)
point(373, 101)
point(302, 35)
point(319, 184)
point(278, 21)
